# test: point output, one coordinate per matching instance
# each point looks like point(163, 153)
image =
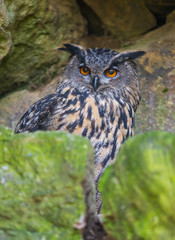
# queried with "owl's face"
point(100, 69)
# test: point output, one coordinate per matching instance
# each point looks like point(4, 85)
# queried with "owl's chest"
point(88, 116)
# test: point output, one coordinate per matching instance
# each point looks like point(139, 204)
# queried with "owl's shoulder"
point(37, 114)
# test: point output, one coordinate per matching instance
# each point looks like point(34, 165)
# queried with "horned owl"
point(97, 97)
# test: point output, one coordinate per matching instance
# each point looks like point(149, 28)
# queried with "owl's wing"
point(37, 116)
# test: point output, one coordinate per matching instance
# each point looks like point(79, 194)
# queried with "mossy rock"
point(30, 34)
point(41, 194)
point(138, 191)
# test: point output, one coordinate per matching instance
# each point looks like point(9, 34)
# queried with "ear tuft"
point(132, 55)
point(121, 57)
point(74, 50)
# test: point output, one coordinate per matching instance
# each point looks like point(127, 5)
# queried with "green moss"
point(138, 190)
point(40, 177)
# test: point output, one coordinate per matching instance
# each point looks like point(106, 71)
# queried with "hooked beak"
point(95, 82)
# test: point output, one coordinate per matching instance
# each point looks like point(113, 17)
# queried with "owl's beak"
point(95, 82)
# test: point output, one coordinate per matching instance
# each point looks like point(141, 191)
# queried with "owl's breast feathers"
point(107, 120)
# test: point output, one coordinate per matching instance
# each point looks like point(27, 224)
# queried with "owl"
point(96, 98)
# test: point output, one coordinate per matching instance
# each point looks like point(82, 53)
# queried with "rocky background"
point(30, 34)
point(32, 31)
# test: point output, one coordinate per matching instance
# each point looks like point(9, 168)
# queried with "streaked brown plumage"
point(97, 98)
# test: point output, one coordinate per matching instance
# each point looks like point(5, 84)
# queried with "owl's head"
point(99, 69)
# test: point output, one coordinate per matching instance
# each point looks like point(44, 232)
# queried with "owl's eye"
point(84, 70)
point(111, 72)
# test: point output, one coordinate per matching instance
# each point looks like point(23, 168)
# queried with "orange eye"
point(84, 70)
point(111, 72)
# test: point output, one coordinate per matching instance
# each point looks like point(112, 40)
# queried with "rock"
point(30, 35)
point(171, 17)
point(138, 190)
point(40, 184)
point(123, 19)
point(160, 8)
point(157, 79)
point(157, 74)
point(5, 35)
point(13, 106)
